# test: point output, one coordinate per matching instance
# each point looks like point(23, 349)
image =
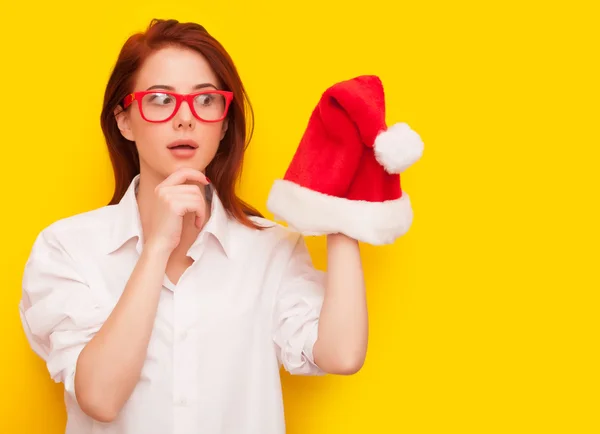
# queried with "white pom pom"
point(398, 147)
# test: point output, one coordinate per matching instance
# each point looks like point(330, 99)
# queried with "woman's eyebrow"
point(167, 87)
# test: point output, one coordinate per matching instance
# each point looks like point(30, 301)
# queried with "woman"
point(171, 309)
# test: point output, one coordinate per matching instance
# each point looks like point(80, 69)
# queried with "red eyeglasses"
point(161, 106)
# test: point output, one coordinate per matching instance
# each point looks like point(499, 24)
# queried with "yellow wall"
point(484, 317)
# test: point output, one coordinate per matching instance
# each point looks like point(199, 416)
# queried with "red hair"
point(225, 168)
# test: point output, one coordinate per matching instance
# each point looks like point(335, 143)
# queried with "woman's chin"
point(186, 165)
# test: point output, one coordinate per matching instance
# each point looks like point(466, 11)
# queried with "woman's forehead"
point(179, 68)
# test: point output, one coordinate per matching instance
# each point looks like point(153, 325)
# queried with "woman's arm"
point(109, 366)
point(341, 345)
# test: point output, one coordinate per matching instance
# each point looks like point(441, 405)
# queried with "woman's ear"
point(122, 118)
point(224, 127)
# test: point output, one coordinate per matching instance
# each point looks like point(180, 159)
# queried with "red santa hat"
point(345, 174)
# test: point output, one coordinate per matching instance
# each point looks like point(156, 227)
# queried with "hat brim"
point(313, 213)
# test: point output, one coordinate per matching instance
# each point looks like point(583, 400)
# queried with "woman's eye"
point(205, 99)
point(160, 98)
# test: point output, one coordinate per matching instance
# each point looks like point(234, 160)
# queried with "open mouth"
point(183, 145)
point(183, 148)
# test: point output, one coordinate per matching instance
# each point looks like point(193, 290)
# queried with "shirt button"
point(181, 402)
point(182, 335)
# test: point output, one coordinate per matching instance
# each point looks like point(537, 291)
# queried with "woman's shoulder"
point(270, 233)
point(87, 228)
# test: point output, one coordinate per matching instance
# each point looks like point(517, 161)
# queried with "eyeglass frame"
point(179, 98)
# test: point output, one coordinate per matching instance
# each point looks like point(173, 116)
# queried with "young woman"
point(172, 309)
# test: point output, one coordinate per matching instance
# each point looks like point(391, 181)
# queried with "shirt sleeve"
point(297, 308)
point(58, 310)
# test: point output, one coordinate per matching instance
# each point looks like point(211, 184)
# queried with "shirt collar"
point(128, 225)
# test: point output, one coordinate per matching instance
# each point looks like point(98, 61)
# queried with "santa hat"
point(345, 174)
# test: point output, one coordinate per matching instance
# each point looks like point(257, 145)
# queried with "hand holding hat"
point(345, 174)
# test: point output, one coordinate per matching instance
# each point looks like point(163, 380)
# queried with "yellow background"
point(484, 318)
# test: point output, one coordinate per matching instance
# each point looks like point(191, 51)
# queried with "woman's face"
point(183, 71)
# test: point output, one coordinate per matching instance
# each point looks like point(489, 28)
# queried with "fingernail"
point(208, 179)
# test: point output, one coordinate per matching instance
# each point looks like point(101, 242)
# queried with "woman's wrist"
point(157, 251)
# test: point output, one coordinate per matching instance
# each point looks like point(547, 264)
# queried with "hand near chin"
point(180, 193)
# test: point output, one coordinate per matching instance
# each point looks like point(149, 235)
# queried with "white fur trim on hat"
point(398, 147)
point(312, 213)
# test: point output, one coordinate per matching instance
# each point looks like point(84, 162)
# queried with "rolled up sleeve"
point(297, 309)
point(58, 310)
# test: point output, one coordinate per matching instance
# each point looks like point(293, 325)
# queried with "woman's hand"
point(173, 199)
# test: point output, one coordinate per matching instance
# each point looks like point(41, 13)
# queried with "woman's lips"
point(183, 148)
point(183, 152)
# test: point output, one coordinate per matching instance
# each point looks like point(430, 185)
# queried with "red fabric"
point(335, 155)
point(373, 184)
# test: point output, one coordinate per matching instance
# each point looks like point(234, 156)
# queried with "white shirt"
point(248, 305)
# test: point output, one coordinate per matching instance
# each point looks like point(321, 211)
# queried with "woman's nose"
point(184, 117)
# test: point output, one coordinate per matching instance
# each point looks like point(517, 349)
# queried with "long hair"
point(225, 168)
